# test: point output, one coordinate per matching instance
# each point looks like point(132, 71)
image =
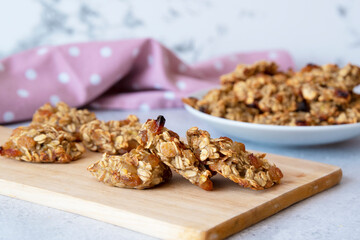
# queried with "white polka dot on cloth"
point(22, 93)
point(2, 67)
point(135, 52)
point(356, 89)
point(74, 51)
point(181, 85)
point(105, 52)
point(218, 65)
point(54, 99)
point(42, 51)
point(30, 74)
point(8, 116)
point(144, 107)
point(150, 60)
point(182, 68)
point(273, 55)
point(169, 95)
point(63, 78)
point(157, 86)
point(95, 79)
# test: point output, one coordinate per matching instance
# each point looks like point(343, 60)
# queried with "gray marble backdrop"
point(319, 32)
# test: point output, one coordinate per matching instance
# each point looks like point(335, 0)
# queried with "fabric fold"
point(125, 74)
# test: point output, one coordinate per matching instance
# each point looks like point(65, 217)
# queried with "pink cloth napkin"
point(126, 74)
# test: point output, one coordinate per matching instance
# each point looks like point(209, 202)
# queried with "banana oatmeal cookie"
point(260, 93)
point(138, 169)
point(42, 143)
point(232, 161)
point(69, 119)
point(113, 137)
point(173, 152)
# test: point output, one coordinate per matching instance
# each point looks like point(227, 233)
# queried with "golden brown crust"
point(174, 153)
point(113, 137)
point(137, 169)
point(231, 160)
point(243, 72)
point(42, 143)
point(69, 119)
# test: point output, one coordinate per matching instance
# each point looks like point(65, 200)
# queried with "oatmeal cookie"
point(113, 137)
point(268, 93)
point(173, 152)
point(137, 169)
point(69, 119)
point(42, 143)
point(232, 161)
point(243, 72)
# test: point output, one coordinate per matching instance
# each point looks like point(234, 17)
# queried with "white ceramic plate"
point(279, 135)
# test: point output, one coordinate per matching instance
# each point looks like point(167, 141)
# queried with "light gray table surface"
point(332, 214)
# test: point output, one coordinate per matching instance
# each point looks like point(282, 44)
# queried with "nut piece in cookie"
point(69, 119)
point(232, 161)
point(174, 153)
point(42, 143)
point(138, 169)
point(113, 137)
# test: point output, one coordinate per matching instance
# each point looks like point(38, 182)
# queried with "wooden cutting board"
point(176, 210)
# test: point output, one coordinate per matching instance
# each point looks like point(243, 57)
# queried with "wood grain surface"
point(176, 210)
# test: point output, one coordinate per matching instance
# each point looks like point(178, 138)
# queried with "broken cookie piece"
point(137, 169)
point(232, 161)
point(42, 143)
point(68, 119)
point(174, 153)
point(113, 137)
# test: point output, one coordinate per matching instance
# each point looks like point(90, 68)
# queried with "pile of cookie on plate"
point(261, 93)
